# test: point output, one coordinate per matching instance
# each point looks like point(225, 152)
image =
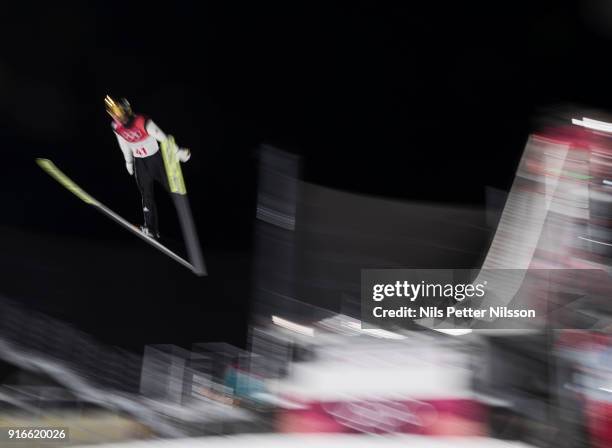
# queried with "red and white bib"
point(136, 136)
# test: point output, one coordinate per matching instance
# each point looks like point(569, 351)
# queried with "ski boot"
point(148, 232)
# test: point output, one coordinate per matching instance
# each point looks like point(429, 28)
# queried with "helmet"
point(120, 110)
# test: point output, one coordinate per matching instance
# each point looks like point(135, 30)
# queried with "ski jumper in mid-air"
point(139, 139)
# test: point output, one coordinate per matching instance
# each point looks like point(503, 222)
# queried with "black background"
point(425, 101)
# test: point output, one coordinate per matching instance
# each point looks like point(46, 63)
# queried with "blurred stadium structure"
point(311, 368)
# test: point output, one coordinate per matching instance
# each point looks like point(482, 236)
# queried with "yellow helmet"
point(120, 110)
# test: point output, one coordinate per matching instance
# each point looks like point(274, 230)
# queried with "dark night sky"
point(420, 101)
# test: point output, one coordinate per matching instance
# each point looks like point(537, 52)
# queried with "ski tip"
point(46, 164)
point(42, 162)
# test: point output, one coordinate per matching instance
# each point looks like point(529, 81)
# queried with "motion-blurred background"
point(388, 135)
point(418, 102)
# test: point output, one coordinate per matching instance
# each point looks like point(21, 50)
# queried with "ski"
point(178, 193)
point(50, 168)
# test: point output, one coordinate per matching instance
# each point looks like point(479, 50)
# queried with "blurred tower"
point(274, 267)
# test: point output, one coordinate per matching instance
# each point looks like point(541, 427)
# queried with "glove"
point(184, 154)
point(130, 168)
